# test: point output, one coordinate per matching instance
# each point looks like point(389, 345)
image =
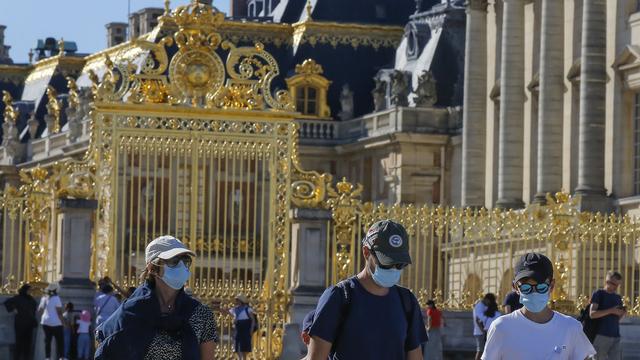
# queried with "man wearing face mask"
point(536, 332)
point(368, 316)
point(159, 321)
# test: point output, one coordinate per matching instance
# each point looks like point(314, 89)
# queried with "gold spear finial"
point(167, 7)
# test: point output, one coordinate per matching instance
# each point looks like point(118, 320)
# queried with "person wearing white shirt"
point(478, 333)
point(536, 332)
point(51, 321)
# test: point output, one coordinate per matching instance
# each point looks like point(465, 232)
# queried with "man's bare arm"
point(319, 349)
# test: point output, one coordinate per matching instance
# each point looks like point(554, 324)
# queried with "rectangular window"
point(636, 146)
point(307, 100)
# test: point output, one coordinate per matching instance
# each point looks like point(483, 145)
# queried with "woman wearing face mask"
point(368, 316)
point(160, 321)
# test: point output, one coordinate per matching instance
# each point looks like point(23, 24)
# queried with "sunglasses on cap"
point(527, 289)
point(387, 267)
point(174, 261)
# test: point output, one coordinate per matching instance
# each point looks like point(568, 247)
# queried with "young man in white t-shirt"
point(536, 332)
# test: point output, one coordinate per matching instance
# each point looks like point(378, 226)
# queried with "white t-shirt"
point(513, 336)
point(478, 312)
point(83, 327)
point(487, 321)
point(242, 315)
point(50, 315)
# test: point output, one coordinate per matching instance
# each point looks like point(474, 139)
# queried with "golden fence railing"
point(15, 251)
point(28, 228)
point(459, 254)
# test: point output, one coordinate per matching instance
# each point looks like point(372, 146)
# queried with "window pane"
point(311, 107)
point(312, 93)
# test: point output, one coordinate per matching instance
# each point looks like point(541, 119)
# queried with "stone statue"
point(379, 94)
point(426, 95)
point(399, 89)
point(346, 103)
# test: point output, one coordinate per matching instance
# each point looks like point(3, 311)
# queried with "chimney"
point(239, 8)
point(116, 33)
point(4, 49)
point(143, 21)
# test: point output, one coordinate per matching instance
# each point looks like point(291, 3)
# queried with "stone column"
point(512, 97)
point(475, 105)
point(550, 110)
point(308, 272)
point(593, 78)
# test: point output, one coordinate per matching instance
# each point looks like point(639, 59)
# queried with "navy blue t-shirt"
point(610, 324)
point(375, 328)
point(512, 299)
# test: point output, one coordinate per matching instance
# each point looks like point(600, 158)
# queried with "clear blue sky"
point(81, 21)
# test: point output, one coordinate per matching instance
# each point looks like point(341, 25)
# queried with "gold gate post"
point(561, 212)
point(345, 205)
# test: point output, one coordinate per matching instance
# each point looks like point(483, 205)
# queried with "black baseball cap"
point(535, 266)
point(389, 241)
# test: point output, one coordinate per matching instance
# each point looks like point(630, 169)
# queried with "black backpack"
point(590, 326)
point(347, 289)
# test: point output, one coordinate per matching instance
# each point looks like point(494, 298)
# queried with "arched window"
point(309, 88)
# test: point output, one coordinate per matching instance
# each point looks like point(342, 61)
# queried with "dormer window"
point(309, 89)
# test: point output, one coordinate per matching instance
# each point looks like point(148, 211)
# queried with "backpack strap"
point(406, 302)
point(345, 286)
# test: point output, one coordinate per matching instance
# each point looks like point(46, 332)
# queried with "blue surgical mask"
point(176, 277)
point(535, 302)
point(386, 277)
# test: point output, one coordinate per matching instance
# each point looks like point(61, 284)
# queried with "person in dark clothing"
point(25, 321)
point(606, 305)
point(368, 316)
point(511, 302)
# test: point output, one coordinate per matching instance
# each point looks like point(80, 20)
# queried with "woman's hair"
point(68, 306)
point(431, 303)
point(492, 305)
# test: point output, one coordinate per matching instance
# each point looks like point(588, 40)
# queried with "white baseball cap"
point(52, 287)
point(165, 247)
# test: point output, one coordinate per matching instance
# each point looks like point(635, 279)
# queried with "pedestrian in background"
point(244, 319)
point(492, 313)
point(606, 306)
point(105, 304)
point(433, 347)
point(536, 332)
point(84, 339)
point(51, 309)
point(69, 324)
point(478, 327)
point(511, 302)
point(25, 321)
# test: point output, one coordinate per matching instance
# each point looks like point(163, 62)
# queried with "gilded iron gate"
point(198, 148)
point(222, 189)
